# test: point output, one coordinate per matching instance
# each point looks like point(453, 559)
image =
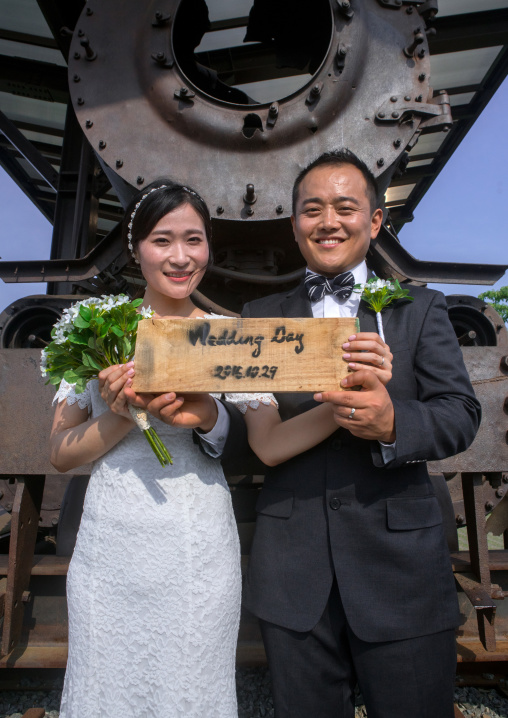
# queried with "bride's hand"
point(189, 411)
point(112, 384)
point(366, 350)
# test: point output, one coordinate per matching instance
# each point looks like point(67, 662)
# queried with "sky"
point(460, 219)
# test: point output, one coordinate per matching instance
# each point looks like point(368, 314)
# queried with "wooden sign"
point(241, 355)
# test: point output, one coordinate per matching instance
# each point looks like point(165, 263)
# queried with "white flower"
point(44, 362)
point(146, 313)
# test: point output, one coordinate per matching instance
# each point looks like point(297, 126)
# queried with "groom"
point(349, 571)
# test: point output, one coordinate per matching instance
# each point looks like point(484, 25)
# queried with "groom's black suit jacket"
point(338, 509)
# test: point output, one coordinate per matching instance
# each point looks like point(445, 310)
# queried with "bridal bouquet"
point(378, 294)
point(92, 335)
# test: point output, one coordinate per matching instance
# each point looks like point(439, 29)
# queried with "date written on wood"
point(238, 372)
point(213, 354)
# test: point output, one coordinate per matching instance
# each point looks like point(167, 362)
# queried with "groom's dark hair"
point(337, 158)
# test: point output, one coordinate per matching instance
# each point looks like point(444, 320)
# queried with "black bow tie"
point(317, 286)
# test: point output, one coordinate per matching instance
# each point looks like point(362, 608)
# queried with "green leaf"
point(116, 330)
point(92, 361)
point(85, 312)
point(77, 339)
point(137, 302)
point(81, 322)
point(70, 376)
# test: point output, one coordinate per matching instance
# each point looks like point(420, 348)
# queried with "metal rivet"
point(421, 54)
point(119, 163)
point(419, 98)
point(380, 162)
point(409, 10)
point(342, 52)
point(54, 521)
point(88, 124)
point(273, 111)
point(220, 209)
point(89, 11)
point(250, 195)
point(76, 78)
point(77, 55)
point(140, 179)
point(315, 90)
point(183, 90)
point(422, 77)
point(393, 98)
point(407, 98)
point(459, 519)
point(397, 142)
point(500, 493)
point(279, 209)
point(382, 115)
point(102, 144)
point(250, 211)
point(395, 115)
point(489, 506)
point(80, 33)
point(81, 101)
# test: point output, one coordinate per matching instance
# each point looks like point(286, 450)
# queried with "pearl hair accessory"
point(131, 222)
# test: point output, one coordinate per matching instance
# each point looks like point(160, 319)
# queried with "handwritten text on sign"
point(241, 355)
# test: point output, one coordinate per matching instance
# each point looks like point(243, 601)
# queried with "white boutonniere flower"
point(378, 294)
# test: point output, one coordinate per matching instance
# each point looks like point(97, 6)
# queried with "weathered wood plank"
point(241, 355)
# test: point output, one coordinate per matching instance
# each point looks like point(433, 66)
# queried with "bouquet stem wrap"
point(141, 420)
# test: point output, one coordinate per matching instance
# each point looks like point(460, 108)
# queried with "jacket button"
point(334, 503)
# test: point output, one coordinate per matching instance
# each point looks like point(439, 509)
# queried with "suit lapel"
point(297, 303)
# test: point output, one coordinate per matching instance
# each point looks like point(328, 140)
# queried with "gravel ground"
point(254, 698)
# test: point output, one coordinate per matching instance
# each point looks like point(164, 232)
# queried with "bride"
point(154, 584)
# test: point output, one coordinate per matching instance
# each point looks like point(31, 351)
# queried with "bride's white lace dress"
point(154, 583)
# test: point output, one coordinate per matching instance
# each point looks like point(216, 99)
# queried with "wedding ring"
point(382, 361)
point(352, 413)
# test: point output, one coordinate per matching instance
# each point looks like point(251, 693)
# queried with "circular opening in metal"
point(29, 328)
point(472, 327)
point(251, 51)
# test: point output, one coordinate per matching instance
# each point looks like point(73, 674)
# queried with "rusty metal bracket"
point(184, 94)
point(25, 522)
point(161, 19)
point(340, 59)
point(400, 109)
point(344, 7)
point(162, 60)
point(314, 93)
point(428, 10)
point(273, 114)
point(479, 590)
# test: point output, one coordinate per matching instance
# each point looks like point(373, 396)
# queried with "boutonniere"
point(378, 294)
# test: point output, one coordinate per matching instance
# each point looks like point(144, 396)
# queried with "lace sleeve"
point(244, 401)
point(68, 391)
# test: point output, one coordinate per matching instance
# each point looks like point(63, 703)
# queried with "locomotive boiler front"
point(153, 105)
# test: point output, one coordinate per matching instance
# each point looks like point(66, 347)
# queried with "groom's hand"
point(373, 416)
point(189, 411)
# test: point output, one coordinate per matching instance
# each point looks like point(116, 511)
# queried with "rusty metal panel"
point(26, 414)
point(489, 451)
